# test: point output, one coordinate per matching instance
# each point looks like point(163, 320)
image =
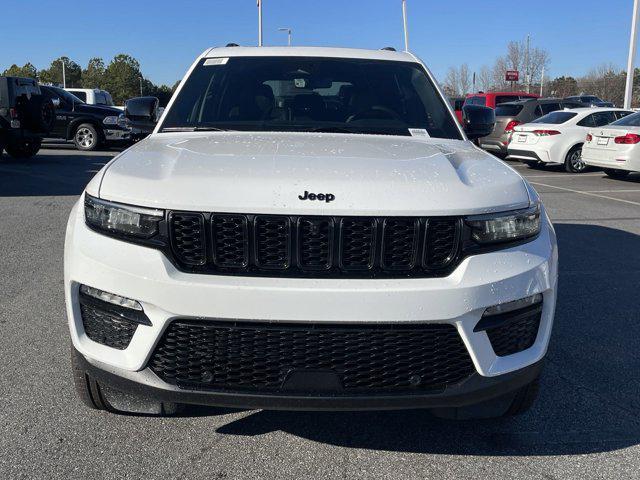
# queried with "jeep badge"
point(327, 197)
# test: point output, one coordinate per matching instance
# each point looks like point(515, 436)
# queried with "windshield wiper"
point(195, 129)
point(331, 130)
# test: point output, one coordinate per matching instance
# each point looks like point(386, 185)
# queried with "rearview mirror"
point(142, 109)
point(478, 121)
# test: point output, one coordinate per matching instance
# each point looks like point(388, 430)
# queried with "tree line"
point(605, 81)
point(122, 77)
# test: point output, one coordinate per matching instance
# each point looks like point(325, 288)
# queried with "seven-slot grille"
point(261, 357)
point(307, 246)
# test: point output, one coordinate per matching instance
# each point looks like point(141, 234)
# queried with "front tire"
point(508, 405)
point(615, 173)
point(23, 149)
point(86, 138)
point(573, 162)
point(96, 396)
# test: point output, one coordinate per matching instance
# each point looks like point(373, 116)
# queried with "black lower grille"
point(257, 357)
point(306, 246)
point(107, 328)
point(515, 336)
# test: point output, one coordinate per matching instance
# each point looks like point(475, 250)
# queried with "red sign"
point(512, 76)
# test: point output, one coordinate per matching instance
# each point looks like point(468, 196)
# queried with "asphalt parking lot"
point(586, 423)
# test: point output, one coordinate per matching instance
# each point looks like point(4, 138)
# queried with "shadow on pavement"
point(49, 174)
point(590, 388)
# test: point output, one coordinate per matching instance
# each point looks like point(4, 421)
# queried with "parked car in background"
point(92, 96)
point(558, 136)
point(491, 99)
point(589, 101)
point(25, 116)
point(511, 114)
point(615, 148)
point(83, 123)
point(457, 103)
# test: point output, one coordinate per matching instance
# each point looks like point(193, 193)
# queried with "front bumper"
point(166, 294)
point(146, 384)
point(116, 135)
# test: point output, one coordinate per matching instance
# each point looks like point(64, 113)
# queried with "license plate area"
point(603, 141)
point(522, 138)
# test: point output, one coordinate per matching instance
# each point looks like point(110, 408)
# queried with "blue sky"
point(166, 35)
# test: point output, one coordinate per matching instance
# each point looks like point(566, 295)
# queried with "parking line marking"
point(563, 175)
point(586, 193)
point(612, 191)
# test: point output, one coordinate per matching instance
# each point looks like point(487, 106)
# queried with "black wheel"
point(513, 403)
point(86, 137)
point(101, 397)
point(573, 162)
point(615, 173)
point(23, 149)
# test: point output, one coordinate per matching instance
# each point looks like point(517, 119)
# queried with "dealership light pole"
point(64, 75)
point(259, 23)
point(406, 31)
point(628, 91)
point(288, 30)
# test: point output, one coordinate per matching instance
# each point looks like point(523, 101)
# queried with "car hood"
point(268, 172)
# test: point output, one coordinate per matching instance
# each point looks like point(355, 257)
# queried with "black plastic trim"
point(135, 316)
point(507, 318)
point(473, 390)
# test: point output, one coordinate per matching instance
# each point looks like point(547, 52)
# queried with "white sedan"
point(615, 148)
point(558, 136)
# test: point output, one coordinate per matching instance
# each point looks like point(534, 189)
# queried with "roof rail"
point(389, 49)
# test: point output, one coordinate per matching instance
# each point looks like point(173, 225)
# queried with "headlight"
point(120, 121)
point(119, 219)
point(505, 227)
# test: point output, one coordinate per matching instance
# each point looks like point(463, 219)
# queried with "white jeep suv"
point(310, 228)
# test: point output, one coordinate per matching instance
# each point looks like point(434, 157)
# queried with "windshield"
point(507, 110)
point(310, 94)
point(555, 118)
point(68, 97)
point(629, 120)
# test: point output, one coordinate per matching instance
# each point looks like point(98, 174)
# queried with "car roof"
point(328, 52)
point(532, 101)
point(486, 94)
point(595, 109)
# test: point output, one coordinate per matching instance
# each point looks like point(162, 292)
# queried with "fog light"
point(110, 298)
point(515, 305)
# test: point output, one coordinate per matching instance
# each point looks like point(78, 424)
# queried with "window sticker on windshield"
point(300, 82)
point(216, 61)
point(418, 132)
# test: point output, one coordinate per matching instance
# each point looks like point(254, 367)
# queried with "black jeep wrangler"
point(26, 116)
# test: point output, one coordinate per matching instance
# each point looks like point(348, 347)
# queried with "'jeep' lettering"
point(327, 197)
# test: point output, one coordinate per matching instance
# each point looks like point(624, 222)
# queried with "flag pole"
point(628, 91)
point(406, 31)
point(259, 23)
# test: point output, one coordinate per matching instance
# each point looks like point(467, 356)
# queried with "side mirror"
point(56, 102)
point(478, 121)
point(142, 109)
